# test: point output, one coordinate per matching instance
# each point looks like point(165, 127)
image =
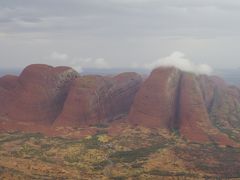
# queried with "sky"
point(201, 35)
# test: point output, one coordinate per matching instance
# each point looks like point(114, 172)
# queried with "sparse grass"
point(158, 172)
point(118, 178)
point(16, 136)
point(101, 165)
point(92, 143)
point(133, 155)
point(71, 158)
point(126, 155)
point(212, 159)
point(46, 147)
point(46, 159)
point(14, 173)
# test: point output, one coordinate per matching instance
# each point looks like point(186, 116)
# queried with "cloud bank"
point(119, 30)
point(177, 59)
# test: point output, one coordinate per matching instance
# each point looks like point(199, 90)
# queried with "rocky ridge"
point(199, 108)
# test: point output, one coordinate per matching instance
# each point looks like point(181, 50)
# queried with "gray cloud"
point(120, 30)
point(123, 17)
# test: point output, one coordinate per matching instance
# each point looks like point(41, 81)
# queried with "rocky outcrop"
point(200, 108)
point(225, 111)
point(37, 95)
point(95, 99)
point(155, 103)
point(223, 103)
point(179, 101)
point(194, 123)
point(46, 95)
point(7, 84)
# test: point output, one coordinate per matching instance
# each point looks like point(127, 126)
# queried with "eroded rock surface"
point(95, 99)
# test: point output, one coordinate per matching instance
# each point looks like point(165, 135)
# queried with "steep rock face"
point(7, 84)
point(179, 101)
point(207, 88)
point(121, 94)
point(223, 105)
point(96, 99)
point(209, 85)
point(80, 107)
point(155, 103)
point(38, 94)
point(193, 120)
point(225, 111)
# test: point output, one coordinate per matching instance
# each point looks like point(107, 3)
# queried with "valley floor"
point(132, 153)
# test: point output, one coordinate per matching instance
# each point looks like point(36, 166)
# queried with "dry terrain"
point(120, 152)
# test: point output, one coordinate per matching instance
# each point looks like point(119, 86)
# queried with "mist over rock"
point(178, 60)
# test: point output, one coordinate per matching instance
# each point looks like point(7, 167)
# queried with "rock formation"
point(200, 108)
point(46, 95)
point(155, 102)
point(95, 99)
point(179, 101)
point(37, 95)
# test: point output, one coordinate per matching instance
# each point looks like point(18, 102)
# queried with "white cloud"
point(79, 64)
point(177, 59)
point(101, 63)
point(59, 56)
point(98, 63)
point(78, 68)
